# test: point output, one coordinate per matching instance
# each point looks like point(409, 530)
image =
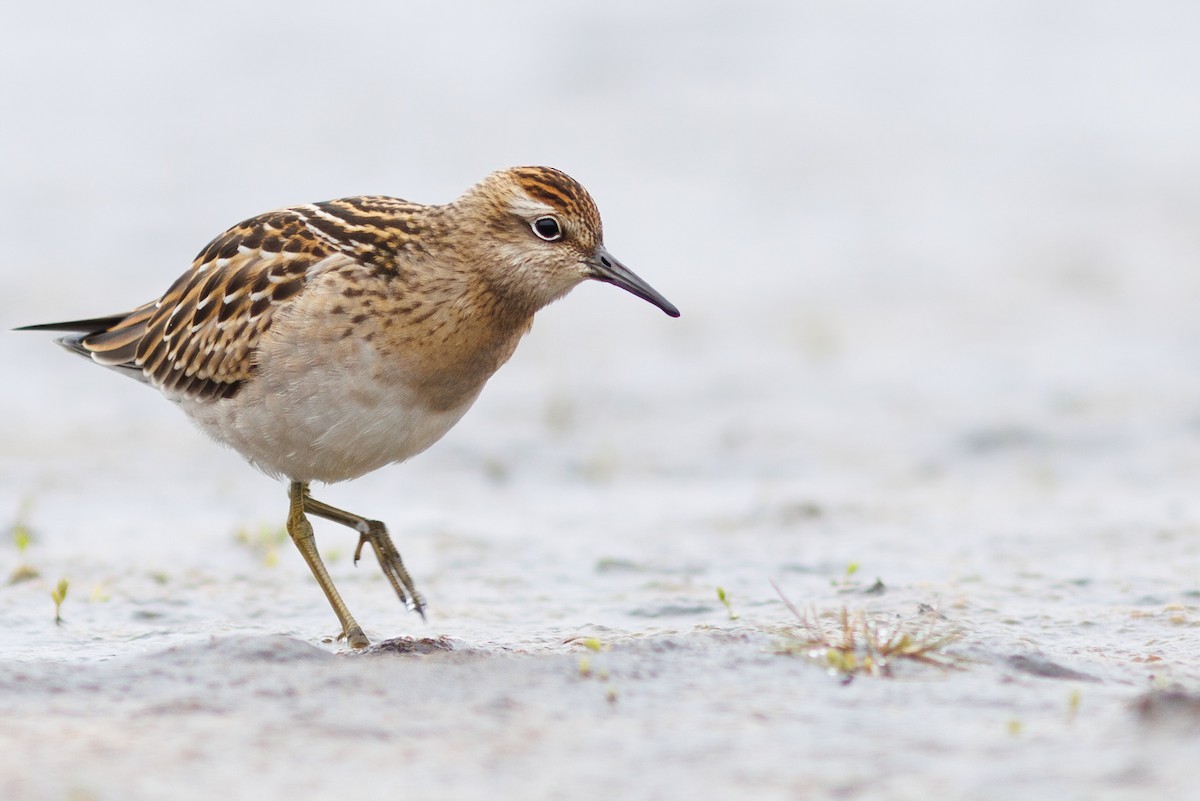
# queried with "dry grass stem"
point(851, 643)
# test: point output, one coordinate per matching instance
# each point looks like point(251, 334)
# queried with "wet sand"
point(937, 365)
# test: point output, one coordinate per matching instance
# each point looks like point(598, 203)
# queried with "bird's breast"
point(333, 401)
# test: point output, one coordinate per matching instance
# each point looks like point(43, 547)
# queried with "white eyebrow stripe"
point(523, 205)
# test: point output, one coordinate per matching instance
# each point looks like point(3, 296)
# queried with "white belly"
point(312, 420)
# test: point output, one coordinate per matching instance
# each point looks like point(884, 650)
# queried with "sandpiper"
point(325, 341)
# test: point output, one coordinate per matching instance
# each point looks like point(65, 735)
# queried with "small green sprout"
point(22, 534)
point(723, 597)
point(587, 670)
point(21, 537)
point(59, 594)
point(265, 541)
point(1074, 701)
point(847, 578)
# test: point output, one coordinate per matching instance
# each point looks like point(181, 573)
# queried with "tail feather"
point(111, 341)
point(117, 345)
point(75, 345)
point(91, 326)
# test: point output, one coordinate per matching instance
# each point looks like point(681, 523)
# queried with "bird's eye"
point(547, 228)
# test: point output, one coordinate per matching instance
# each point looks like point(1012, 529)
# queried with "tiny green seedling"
point(59, 594)
point(1074, 701)
point(592, 644)
point(266, 541)
point(585, 663)
point(847, 578)
point(22, 536)
point(585, 667)
point(723, 597)
point(587, 671)
point(849, 583)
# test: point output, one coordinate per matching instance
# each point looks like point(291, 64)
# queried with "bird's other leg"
point(302, 534)
point(375, 533)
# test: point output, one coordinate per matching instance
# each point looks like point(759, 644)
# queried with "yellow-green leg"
point(302, 534)
point(375, 533)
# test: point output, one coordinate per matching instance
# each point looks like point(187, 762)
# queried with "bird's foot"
point(355, 638)
point(390, 563)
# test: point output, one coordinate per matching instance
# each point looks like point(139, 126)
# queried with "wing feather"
point(199, 339)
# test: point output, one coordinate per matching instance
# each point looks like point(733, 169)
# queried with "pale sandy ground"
point(938, 265)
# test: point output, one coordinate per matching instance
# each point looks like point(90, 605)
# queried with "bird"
point(327, 340)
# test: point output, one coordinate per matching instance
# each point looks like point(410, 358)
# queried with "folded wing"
point(198, 341)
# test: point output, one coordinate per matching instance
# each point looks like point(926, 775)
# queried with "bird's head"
point(541, 236)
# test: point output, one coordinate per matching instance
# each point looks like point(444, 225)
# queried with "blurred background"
point(937, 264)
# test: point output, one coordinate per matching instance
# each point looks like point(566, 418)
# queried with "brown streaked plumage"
point(324, 341)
